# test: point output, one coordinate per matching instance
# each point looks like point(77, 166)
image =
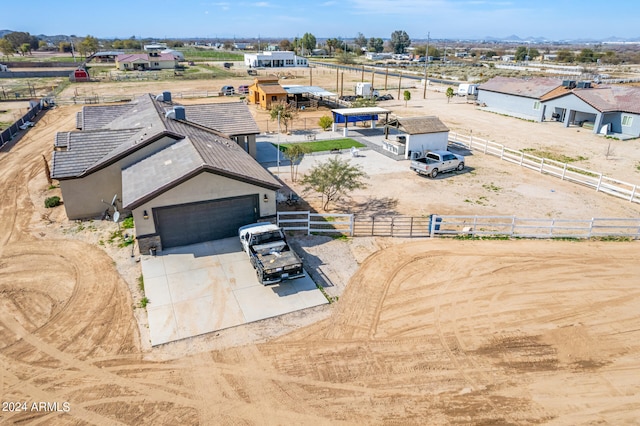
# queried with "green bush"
point(52, 202)
point(325, 122)
point(128, 223)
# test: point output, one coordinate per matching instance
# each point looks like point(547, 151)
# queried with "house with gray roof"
point(606, 110)
point(185, 173)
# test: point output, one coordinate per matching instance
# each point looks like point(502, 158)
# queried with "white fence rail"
point(563, 171)
point(330, 223)
point(513, 226)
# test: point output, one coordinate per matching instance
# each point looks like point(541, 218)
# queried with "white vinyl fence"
point(317, 223)
point(448, 225)
point(512, 226)
point(589, 178)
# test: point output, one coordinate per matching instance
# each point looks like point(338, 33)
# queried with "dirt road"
point(426, 332)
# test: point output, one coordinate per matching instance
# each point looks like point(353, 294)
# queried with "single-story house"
point(183, 180)
point(609, 110)
point(416, 136)
point(266, 90)
point(144, 61)
point(517, 97)
point(277, 59)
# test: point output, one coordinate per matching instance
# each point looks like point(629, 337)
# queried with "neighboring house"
point(265, 91)
point(373, 56)
point(105, 56)
point(155, 47)
point(517, 97)
point(183, 180)
point(609, 110)
point(144, 61)
point(418, 135)
point(176, 54)
point(278, 59)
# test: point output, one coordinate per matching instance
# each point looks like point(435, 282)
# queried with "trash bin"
point(152, 251)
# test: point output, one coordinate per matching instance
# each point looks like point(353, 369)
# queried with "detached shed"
point(421, 134)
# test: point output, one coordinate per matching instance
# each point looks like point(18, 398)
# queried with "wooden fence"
point(512, 226)
point(563, 171)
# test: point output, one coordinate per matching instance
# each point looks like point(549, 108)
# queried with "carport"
point(354, 115)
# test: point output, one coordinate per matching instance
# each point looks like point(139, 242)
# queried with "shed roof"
point(272, 89)
point(529, 88)
point(419, 125)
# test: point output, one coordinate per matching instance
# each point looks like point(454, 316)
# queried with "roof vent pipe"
point(180, 113)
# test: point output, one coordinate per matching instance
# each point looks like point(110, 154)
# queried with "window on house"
point(536, 105)
point(627, 120)
point(274, 98)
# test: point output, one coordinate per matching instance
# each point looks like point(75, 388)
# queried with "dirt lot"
point(425, 332)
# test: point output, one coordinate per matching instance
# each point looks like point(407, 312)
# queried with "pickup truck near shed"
point(269, 253)
point(436, 162)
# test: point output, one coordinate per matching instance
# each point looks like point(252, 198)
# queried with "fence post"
point(553, 224)
point(513, 225)
point(486, 142)
point(590, 227)
point(633, 193)
point(599, 183)
point(392, 219)
point(564, 171)
point(308, 223)
point(521, 158)
point(541, 165)
point(351, 224)
point(373, 221)
point(502, 152)
point(411, 228)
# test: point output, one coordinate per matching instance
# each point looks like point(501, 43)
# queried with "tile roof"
point(142, 122)
point(529, 88)
point(612, 98)
point(84, 149)
point(230, 118)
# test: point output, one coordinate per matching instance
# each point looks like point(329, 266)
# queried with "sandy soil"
point(425, 332)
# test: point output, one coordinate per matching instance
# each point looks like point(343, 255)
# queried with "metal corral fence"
point(100, 99)
point(20, 126)
point(589, 178)
point(512, 226)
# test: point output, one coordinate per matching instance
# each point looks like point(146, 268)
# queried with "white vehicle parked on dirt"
point(436, 162)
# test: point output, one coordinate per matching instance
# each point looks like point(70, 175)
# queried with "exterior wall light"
point(265, 198)
point(145, 215)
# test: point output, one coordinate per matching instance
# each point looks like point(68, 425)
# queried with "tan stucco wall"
point(83, 197)
point(203, 187)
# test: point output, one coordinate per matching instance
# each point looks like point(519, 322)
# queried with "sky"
point(224, 19)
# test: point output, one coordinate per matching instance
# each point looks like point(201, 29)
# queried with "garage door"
point(193, 223)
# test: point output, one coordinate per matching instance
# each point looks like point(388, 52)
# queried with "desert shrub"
point(325, 122)
point(128, 223)
point(52, 202)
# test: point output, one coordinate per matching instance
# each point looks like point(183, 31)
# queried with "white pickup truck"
point(269, 253)
point(436, 162)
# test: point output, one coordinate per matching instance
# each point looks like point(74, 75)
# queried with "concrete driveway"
point(210, 286)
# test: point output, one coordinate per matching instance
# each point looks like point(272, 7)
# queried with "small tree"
point(407, 97)
point(283, 111)
point(325, 122)
point(333, 178)
point(295, 153)
point(449, 93)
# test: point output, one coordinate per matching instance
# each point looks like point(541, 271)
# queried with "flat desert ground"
point(424, 331)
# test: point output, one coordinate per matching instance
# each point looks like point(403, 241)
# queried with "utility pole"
point(426, 65)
